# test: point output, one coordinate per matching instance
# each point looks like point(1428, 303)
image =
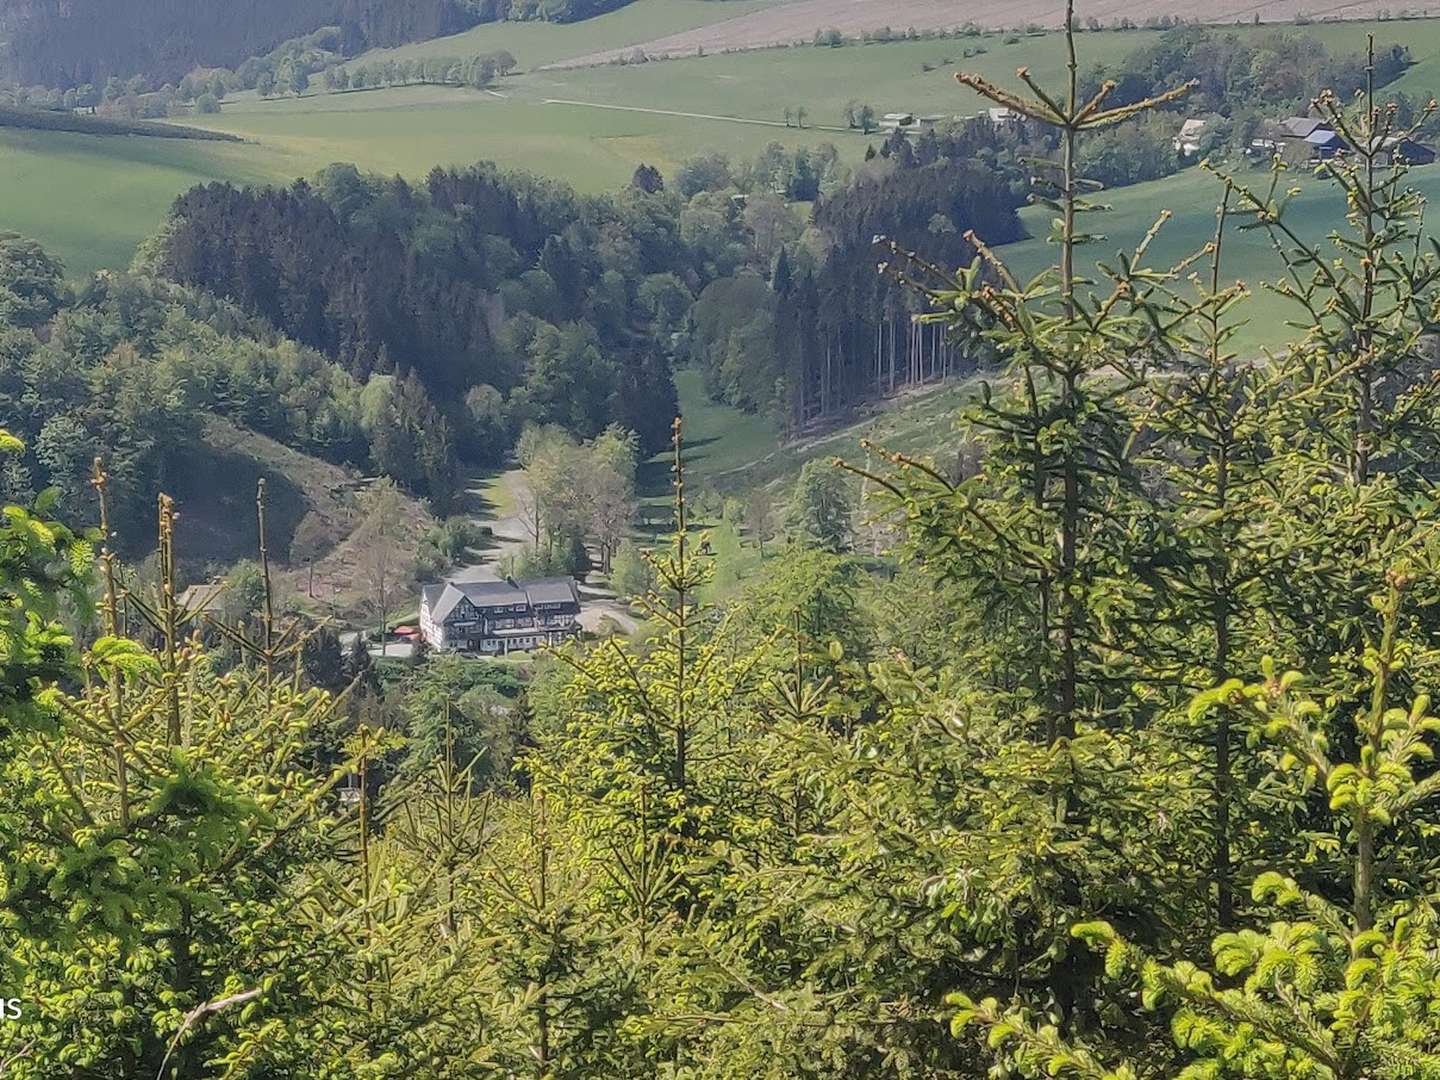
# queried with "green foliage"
point(32, 284)
point(50, 120)
point(1270, 467)
point(1327, 990)
point(447, 544)
point(411, 441)
point(630, 572)
point(475, 277)
point(466, 710)
point(1275, 70)
point(732, 341)
point(576, 492)
point(821, 510)
point(40, 562)
point(829, 813)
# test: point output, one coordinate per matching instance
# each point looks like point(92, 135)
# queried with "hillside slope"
point(313, 514)
point(69, 42)
point(797, 22)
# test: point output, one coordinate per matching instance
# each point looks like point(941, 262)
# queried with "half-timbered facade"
point(498, 617)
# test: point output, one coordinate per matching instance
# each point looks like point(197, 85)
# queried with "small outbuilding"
point(1397, 149)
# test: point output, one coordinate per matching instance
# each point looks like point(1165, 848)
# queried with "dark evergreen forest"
point(67, 43)
point(412, 329)
point(849, 328)
point(573, 308)
point(474, 278)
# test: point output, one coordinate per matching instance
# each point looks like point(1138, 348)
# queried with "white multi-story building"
point(498, 617)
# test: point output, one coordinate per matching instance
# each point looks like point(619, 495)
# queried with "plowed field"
point(796, 21)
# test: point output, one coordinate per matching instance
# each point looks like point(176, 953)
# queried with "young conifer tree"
point(1333, 989)
point(1205, 442)
point(1319, 531)
point(160, 816)
point(1354, 431)
point(1055, 524)
point(1060, 539)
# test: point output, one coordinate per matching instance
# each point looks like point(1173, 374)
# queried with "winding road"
point(509, 536)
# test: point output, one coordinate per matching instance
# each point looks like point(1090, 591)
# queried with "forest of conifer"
point(1109, 756)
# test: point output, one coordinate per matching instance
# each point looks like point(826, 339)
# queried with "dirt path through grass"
point(692, 115)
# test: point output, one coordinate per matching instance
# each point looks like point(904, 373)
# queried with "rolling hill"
point(797, 22)
point(68, 42)
point(93, 198)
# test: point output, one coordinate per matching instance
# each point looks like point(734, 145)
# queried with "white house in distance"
point(910, 124)
point(1003, 118)
point(1188, 141)
point(498, 617)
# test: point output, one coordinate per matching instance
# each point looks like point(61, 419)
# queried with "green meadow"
point(1192, 197)
point(730, 452)
point(891, 77)
point(409, 130)
point(92, 198)
point(538, 43)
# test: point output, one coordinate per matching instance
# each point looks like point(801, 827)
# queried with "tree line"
point(91, 42)
point(425, 327)
point(814, 329)
point(475, 284)
point(162, 42)
point(477, 72)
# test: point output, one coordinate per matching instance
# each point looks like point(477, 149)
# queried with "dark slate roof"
point(1302, 127)
point(442, 605)
point(443, 599)
point(492, 593)
point(560, 590)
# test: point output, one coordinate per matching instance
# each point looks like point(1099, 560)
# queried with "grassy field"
point(537, 43)
point(719, 441)
point(92, 198)
point(729, 452)
point(891, 77)
point(798, 20)
point(1192, 197)
point(409, 130)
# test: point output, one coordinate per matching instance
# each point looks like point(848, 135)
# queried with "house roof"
point(1323, 137)
point(1192, 127)
point(560, 590)
point(1412, 150)
point(1302, 127)
point(1389, 142)
point(444, 598)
